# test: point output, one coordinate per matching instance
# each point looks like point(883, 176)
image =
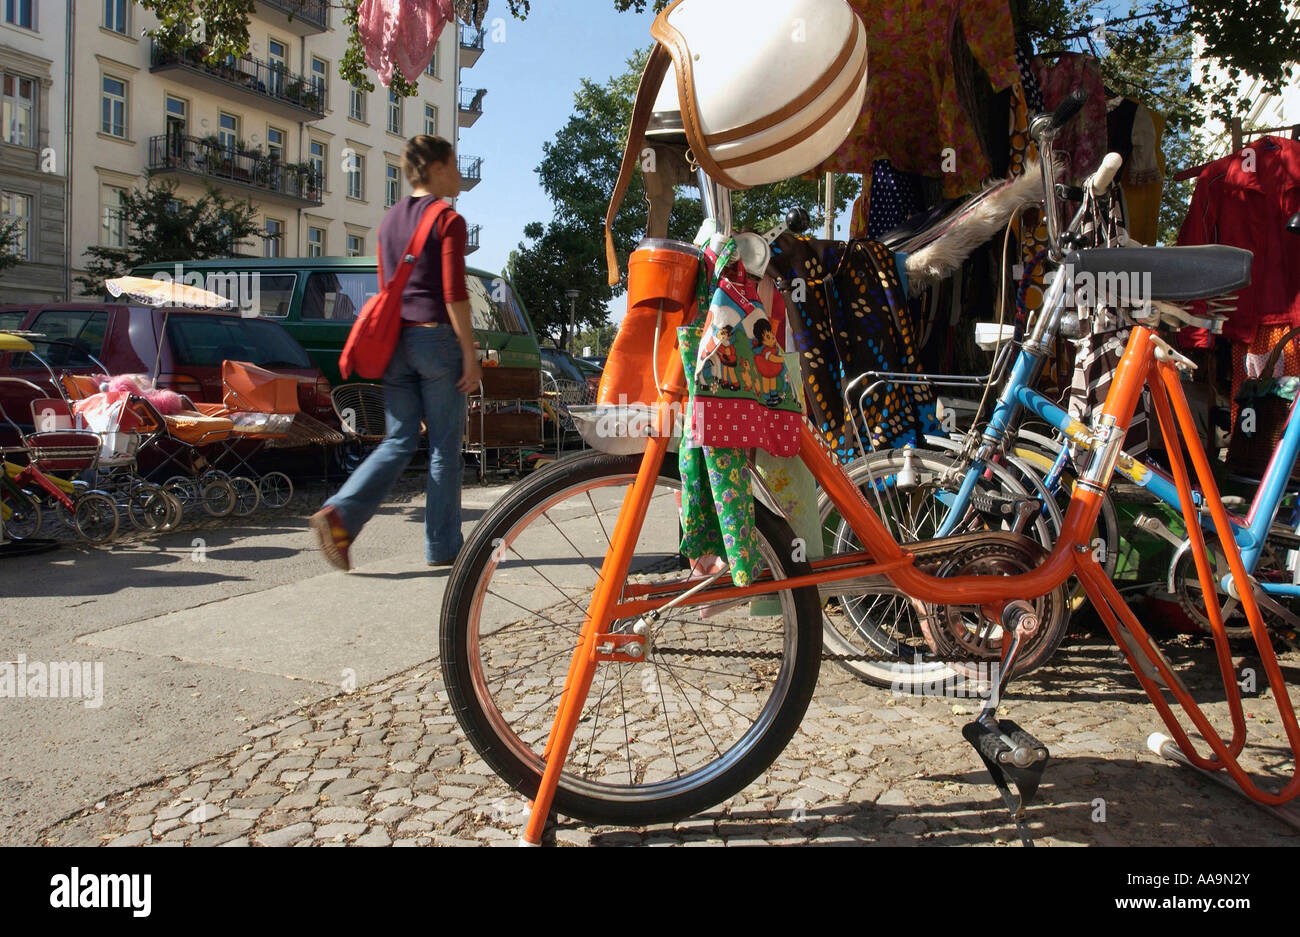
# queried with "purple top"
point(439, 274)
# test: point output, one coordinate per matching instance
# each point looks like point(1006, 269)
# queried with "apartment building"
point(319, 160)
point(34, 81)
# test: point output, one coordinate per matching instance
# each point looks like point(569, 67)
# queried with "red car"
point(131, 339)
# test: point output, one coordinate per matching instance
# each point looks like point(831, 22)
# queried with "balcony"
point(471, 106)
point(471, 172)
point(263, 176)
point(471, 46)
point(300, 17)
point(471, 238)
point(266, 86)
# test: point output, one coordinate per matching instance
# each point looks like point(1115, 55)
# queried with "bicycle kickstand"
point(1008, 751)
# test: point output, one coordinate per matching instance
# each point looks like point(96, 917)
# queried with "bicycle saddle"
point(1176, 274)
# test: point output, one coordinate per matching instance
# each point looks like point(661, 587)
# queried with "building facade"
point(319, 160)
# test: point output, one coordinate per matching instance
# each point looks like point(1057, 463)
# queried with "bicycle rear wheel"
point(711, 706)
point(892, 640)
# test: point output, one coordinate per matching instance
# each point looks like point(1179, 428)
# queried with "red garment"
point(401, 34)
point(1244, 200)
point(1082, 142)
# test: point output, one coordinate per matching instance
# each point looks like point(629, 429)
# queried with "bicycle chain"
point(769, 655)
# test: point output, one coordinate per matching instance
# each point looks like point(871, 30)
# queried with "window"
point(77, 332)
point(493, 306)
point(356, 246)
point(392, 187)
point(394, 112)
point(357, 104)
point(317, 154)
point(315, 243)
point(198, 340)
point(357, 177)
point(113, 120)
point(319, 76)
point(177, 125)
point(115, 16)
point(18, 110)
point(275, 143)
point(228, 131)
point(21, 13)
point(274, 238)
point(338, 297)
point(17, 210)
point(432, 70)
point(114, 233)
point(277, 56)
point(430, 120)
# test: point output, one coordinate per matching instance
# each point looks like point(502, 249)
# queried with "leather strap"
point(656, 67)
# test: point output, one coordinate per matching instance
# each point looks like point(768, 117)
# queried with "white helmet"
point(771, 87)
point(760, 90)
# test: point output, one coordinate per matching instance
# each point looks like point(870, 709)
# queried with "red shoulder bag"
point(374, 335)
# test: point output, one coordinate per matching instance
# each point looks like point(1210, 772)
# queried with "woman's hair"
point(421, 153)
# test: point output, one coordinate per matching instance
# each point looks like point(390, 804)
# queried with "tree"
point(10, 232)
point(163, 227)
point(578, 171)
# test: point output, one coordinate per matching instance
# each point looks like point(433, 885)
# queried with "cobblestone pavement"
point(388, 765)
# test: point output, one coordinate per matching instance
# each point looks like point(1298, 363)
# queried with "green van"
point(317, 299)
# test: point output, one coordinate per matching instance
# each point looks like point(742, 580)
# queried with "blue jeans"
point(420, 383)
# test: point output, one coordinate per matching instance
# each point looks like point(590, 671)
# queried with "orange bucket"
point(661, 277)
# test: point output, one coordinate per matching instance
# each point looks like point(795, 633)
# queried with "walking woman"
point(434, 367)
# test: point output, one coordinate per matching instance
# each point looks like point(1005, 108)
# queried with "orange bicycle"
point(601, 677)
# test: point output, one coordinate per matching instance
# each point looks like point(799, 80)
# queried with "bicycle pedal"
point(1010, 754)
point(1000, 505)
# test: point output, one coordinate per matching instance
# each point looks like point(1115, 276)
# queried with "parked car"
point(564, 367)
point(597, 362)
point(317, 298)
point(182, 348)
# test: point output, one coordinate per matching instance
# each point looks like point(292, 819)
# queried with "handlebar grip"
point(1066, 110)
point(1100, 180)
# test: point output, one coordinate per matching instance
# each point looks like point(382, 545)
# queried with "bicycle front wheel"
point(717, 697)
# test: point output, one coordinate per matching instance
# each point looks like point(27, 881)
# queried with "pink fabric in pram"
point(401, 34)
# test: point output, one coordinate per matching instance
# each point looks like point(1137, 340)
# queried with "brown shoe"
point(333, 536)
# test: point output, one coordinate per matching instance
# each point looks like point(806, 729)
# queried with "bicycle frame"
point(1146, 361)
point(1018, 394)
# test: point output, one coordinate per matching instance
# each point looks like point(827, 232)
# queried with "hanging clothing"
point(1248, 360)
point(1081, 142)
point(895, 197)
point(911, 113)
point(849, 317)
point(401, 35)
point(1143, 175)
point(1244, 200)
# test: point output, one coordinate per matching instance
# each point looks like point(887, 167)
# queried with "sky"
point(531, 77)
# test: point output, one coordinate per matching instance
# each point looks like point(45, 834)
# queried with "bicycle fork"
point(582, 668)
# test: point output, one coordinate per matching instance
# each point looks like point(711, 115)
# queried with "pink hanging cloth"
point(401, 34)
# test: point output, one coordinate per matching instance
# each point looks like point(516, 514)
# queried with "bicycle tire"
point(22, 520)
point(890, 626)
point(658, 788)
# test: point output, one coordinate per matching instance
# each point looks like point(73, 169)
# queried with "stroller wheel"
point(20, 514)
point(247, 495)
point(184, 489)
point(95, 517)
point(146, 508)
point(276, 489)
point(217, 497)
point(174, 512)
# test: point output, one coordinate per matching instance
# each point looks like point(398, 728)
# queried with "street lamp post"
point(573, 300)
